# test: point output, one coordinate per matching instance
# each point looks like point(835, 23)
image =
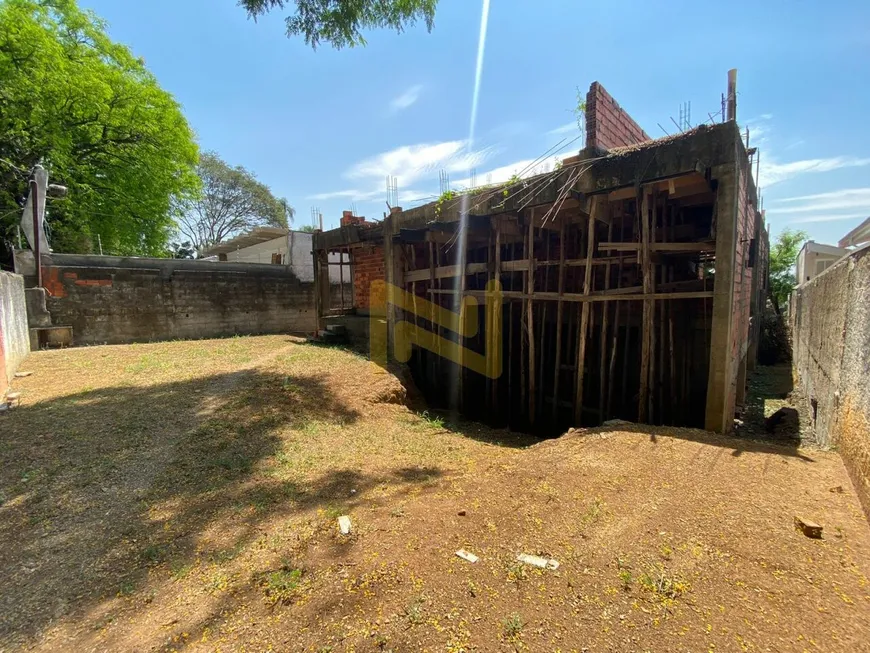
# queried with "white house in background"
point(858, 237)
point(260, 245)
point(278, 246)
point(815, 258)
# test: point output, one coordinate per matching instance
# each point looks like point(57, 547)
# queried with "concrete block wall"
point(119, 300)
point(830, 320)
point(607, 124)
point(14, 338)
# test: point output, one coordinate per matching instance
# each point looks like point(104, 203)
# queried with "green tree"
point(93, 115)
point(783, 256)
point(340, 22)
point(230, 200)
point(308, 228)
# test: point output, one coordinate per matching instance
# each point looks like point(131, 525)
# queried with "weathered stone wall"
point(14, 340)
point(831, 339)
point(108, 299)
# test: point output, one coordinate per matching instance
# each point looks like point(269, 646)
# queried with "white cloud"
point(825, 207)
point(568, 128)
point(848, 198)
point(406, 99)
point(522, 168)
point(828, 218)
point(410, 163)
point(351, 194)
point(774, 173)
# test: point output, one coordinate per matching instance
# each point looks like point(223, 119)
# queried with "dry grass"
point(184, 495)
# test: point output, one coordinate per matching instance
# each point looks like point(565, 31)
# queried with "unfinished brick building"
point(629, 282)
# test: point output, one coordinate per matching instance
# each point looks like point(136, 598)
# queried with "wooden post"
point(318, 303)
point(496, 326)
point(542, 314)
point(602, 367)
point(341, 276)
point(559, 314)
point(523, 334)
point(530, 316)
point(647, 325)
point(615, 345)
point(584, 311)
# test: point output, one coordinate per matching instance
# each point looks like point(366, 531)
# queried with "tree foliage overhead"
point(783, 256)
point(230, 200)
point(93, 115)
point(340, 22)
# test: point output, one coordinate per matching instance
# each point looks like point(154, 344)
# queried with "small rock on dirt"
point(810, 529)
point(21, 375)
point(838, 489)
point(538, 561)
point(465, 555)
point(462, 513)
point(344, 525)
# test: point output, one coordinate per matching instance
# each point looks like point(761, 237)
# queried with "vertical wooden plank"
point(615, 343)
point(559, 314)
point(496, 339)
point(646, 325)
point(341, 276)
point(523, 334)
point(542, 314)
point(530, 315)
point(602, 364)
point(584, 311)
point(318, 304)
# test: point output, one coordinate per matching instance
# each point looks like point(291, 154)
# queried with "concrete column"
point(720, 398)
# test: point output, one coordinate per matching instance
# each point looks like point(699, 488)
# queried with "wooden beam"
point(602, 363)
point(495, 337)
point(559, 316)
point(530, 316)
point(646, 325)
point(705, 246)
point(445, 272)
point(578, 298)
point(584, 311)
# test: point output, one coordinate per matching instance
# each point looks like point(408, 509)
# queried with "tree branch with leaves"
point(230, 200)
point(783, 257)
point(340, 22)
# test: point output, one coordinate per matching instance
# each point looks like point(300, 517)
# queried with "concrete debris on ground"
point(344, 525)
point(465, 555)
point(538, 561)
point(810, 529)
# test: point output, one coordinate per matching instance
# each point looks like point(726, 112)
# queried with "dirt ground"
point(185, 496)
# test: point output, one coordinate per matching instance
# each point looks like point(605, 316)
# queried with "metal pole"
point(100, 244)
point(18, 233)
point(37, 231)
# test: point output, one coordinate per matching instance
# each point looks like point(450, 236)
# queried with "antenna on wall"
point(314, 212)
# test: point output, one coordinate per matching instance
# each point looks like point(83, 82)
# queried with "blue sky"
point(324, 128)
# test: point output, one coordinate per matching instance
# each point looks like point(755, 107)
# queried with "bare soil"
point(185, 496)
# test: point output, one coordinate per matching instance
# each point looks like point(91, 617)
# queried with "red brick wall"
point(607, 124)
point(746, 216)
point(368, 266)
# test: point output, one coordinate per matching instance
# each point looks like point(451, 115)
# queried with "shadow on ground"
point(98, 487)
